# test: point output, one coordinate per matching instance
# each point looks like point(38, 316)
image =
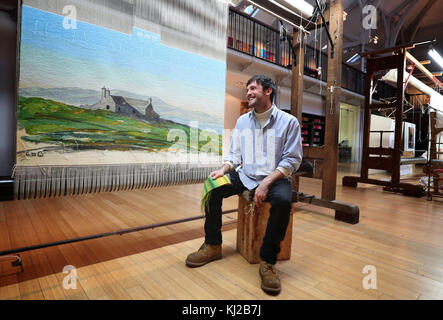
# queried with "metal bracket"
point(17, 261)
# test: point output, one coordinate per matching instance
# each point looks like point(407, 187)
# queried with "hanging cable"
point(300, 48)
point(315, 45)
point(320, 69)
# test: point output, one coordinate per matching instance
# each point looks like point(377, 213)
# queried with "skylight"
point(251, 10)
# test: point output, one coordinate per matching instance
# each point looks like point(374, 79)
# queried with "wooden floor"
point(401, 237)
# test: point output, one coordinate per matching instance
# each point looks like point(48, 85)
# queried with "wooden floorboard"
point(402, 237)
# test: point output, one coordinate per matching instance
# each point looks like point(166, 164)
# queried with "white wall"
point(385, 124)
point(349, 127)
point(311, 103)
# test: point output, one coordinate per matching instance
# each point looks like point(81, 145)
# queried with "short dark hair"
point(265, 82)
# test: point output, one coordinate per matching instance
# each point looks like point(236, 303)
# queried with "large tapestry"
point(120, 90)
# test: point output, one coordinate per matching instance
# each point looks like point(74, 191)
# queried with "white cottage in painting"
point(119, 104)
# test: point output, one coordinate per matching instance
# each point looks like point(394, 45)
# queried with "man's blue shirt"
point(260, 151)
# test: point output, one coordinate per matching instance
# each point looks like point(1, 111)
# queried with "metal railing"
point(254, 38)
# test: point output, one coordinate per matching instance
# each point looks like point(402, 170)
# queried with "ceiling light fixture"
point(373, 39)
point(295, 25)
point(436, 56)
point(299, 7)
point(354, 58)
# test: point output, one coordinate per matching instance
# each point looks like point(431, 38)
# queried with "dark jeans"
point(280, 197)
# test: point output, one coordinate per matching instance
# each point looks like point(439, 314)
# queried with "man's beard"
point(253, 103)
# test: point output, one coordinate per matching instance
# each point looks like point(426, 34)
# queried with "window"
point(251, 10)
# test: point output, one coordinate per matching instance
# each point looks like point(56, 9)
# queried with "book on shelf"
point(313, 129)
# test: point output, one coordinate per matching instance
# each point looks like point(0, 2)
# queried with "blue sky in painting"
point(91, 57)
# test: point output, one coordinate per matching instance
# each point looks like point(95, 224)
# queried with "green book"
point(209, 185)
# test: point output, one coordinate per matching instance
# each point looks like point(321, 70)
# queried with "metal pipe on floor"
point(106, 234)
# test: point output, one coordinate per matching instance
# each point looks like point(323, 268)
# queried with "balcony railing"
point(250, 36)
point(254, 38)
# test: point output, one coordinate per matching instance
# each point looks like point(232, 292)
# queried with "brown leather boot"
point(205, 254)
point(270, 282)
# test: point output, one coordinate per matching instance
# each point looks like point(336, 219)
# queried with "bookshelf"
point(312, 130)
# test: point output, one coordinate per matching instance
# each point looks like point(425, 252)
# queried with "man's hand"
point(220, 172)
point(217, 174)
point(262, 190)
point(260, 194)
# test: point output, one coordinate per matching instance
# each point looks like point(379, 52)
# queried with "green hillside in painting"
point(50, 122)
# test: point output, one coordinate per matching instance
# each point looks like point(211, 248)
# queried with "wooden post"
point(399, 117)
point(434, 157)
point(297, 88)
point(329, 181)
point(328, 153)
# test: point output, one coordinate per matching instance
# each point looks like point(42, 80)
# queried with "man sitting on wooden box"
point(265, 149)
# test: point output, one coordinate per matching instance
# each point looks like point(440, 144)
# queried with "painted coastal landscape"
point(93, 95)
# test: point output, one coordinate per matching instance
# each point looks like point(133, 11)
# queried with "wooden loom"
point(328, 153)
point(387, 158)
point(435, 165)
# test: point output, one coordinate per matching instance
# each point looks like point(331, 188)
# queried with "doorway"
point(348, 137)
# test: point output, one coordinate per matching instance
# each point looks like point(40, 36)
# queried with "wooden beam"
point(314, 152)
point(387, 50)
point(369, 83)
point(380, 151)
point(297, 77)
point(329, 181)
point(425, 71)
point(435, 74)
point(382, 63)
point(297, 88)
point(409, 66)
point(350, 211)
point(395, 179)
